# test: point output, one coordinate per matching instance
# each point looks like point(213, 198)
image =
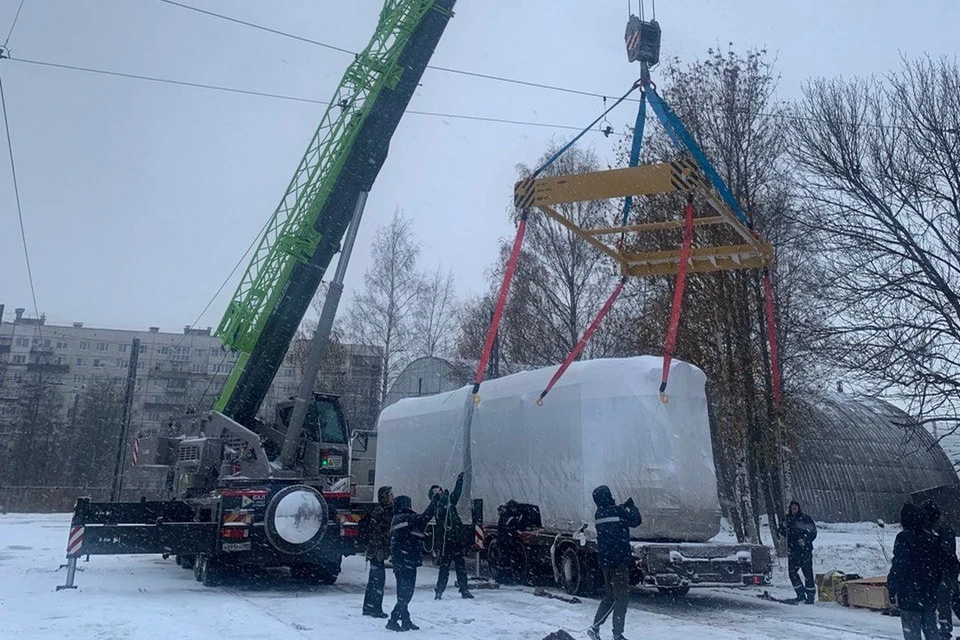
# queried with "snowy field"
point(148, 597)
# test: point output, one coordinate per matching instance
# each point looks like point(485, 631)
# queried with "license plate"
point(235, 546)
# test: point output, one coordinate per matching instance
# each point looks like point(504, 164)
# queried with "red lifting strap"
point(772, 337)
point(501, 302)
point(583, 341)
point(671, 342)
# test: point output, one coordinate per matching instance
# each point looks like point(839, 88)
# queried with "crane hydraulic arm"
point(341, 163)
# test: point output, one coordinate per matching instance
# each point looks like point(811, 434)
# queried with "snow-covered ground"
point(148, 597)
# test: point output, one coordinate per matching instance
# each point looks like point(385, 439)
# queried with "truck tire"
point(296, 519)
point(573, 573)
point(508, 566)
point(674, 592)
point(187, 562)
point(212, 572)
point(321, 574)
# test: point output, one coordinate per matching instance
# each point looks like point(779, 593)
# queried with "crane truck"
point(248, 493)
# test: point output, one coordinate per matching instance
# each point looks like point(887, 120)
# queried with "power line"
point(279, 96)
point(486, 76)
point(14, 24)
point(183, 83)
point(260, 27)
point(472, 74)
point(16, 191)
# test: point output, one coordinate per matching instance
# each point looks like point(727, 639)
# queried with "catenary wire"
point(16, 192)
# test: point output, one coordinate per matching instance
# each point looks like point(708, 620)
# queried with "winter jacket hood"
point(602, 496)
point(912, 518)
point(402, 504)
point(799, 508)
point(918, 563)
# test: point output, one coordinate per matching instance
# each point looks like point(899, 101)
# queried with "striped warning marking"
point(75, 542)
point(237, 517)
point(523, 194)
point(478, 536)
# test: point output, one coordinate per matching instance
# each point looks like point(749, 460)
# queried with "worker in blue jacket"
point(406, 547)
point(615, 556)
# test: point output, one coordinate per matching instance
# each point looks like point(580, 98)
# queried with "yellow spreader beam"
point(682, 176)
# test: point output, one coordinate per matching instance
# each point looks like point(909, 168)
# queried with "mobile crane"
point(248, 493)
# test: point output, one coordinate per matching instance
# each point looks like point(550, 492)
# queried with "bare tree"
point(95, 432)
point(382, 314)
point(559, 286)
point(727, 102)
point(436, 315)
point(880, 163)
point(37, 433)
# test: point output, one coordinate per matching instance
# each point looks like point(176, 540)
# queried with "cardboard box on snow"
point(868, 593)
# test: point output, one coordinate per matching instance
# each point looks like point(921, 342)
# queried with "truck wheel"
point(674, 592)
point(323, 574)
point(509, 565)
point(211, 572)
point(573, 573)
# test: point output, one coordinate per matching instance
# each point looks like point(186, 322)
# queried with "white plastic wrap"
point(603, 423)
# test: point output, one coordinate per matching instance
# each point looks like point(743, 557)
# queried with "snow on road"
point(132, 597)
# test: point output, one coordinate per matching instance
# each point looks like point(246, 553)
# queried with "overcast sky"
point(138, 198)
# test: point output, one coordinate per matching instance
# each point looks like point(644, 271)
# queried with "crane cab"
point(323, 447)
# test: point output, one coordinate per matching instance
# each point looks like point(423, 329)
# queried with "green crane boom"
point(342, 160)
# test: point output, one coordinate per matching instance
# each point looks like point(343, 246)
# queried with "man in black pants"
point(451, 538)
point(613, 524)
point(406, 544)
point(915, 573)
point(800, 531)
point(378, 550)
point(946, 592)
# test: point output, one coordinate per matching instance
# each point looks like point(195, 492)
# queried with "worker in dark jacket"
point(451, 538)
point(378, 550)
point(615, 555)
point(915, 575)
point(406, 544)
point(950, 567)
point(800, 531)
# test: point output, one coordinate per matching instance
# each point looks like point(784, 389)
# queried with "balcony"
point(43, 367)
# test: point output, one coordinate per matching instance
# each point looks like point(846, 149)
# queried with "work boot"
point(811, 596)
point(437, 595)
point(619, 637)
point(393, 625)
point(376, 614)
point(466, 595)
point(801, 594)
point(594, 633)
point(409, 626)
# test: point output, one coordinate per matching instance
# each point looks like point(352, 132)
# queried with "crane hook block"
point(643, 41)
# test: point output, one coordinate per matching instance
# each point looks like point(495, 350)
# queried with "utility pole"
point(115, 491)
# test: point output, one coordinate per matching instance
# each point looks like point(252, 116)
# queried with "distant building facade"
point(427, 376)
point(175, 372)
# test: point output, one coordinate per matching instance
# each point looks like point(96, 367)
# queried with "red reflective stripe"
point(671, 341)
point(501, 300)
point(586, 336)
point(75, 541)
point(772, 337)
point(342, 495)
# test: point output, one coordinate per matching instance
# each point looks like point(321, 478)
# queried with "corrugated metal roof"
point(858, 459)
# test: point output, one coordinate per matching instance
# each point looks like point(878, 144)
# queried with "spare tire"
point(296, 519)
